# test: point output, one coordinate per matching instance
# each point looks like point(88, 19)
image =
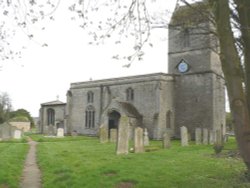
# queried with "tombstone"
point(211, 137)
point(50, 130)
point(218, 137)
point(205, 136)
point(166, 140)
point(60, 132)
point(138, 140)
point(123, 136)
point(145, 137)
point(184, 136)
point(17, 134)
point(103, 134)
point(113, 135)
point(198, 136)
point(5, 131)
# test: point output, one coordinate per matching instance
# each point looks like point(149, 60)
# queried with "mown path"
point(31, 177)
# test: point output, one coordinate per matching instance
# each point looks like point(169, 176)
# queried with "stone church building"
point(191, 94)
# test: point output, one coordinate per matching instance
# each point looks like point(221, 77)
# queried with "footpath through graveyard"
point(31, 177)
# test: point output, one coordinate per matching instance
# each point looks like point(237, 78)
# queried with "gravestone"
point(184, 136)
point(113, 135)
point(5, 131)
point(17, 134)
point(218, 137)
point(211, 137)
point(198, 136)
point(138, 140)
point(123, 136)
point(60, 132)
point(205, 136)
point(103, 134)
point(145, 137)
point(166, 140)
point(50, 130)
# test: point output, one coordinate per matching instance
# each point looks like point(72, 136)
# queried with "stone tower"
point(194, 62)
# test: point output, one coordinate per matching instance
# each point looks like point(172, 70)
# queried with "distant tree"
point(5, 107)
point(22, 114)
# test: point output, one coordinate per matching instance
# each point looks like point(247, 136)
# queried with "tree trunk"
point(231, 66)
point(243, 9)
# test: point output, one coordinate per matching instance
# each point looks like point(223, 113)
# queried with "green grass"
point(12, 157)
point(84, 162)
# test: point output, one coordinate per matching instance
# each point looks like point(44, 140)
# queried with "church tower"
point(194, 62)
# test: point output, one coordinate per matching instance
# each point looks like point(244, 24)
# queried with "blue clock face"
point(183, 66)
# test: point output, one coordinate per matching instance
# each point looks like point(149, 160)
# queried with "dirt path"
point(31, 177)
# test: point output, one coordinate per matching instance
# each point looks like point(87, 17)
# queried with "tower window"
point(90, 117)
point(185, 38)
point(130, 94)
point(90, 97)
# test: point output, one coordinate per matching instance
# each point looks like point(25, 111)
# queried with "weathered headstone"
point(205, 136)
point(60, 132)
point(5, 131)
point(17, 134)
point(145, 137)
point(166, 140)
point(198, 136)
point(123, 136)
point(103, 134)
point(218, 137)
point(51, 130)
point(184, 136)
point(138, 140)
point(113, 135)
point(211, 137)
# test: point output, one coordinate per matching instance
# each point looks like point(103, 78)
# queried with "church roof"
point(57, 102)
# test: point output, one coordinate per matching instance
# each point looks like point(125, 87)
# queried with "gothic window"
point(51, 116)
point(130, 94)
point(90, 97)
point(90, 117)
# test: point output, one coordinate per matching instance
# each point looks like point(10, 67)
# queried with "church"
point(192, 94)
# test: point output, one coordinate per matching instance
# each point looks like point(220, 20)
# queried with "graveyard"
point(80, 161)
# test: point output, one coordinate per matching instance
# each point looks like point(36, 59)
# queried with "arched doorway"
point(114, 118)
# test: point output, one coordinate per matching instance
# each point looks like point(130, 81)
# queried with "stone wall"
point(25, 126)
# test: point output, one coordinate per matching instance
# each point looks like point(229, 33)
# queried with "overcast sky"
point(43, 73)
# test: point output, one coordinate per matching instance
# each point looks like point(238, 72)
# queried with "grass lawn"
point(12, 157)
point(84, 162)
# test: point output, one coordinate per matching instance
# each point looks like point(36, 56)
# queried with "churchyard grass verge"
point(12, 157)
point(87, 163)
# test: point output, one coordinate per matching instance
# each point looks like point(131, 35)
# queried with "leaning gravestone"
point(145, 137)
point(166, 140)
point(211, 137)
point(103, 134)
point(17, 134)
point(184, 136)
point(138, 140)
point(60, 132)
point(198, 136)
point(113, 135)
point(205, 136)
point(123, 136)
